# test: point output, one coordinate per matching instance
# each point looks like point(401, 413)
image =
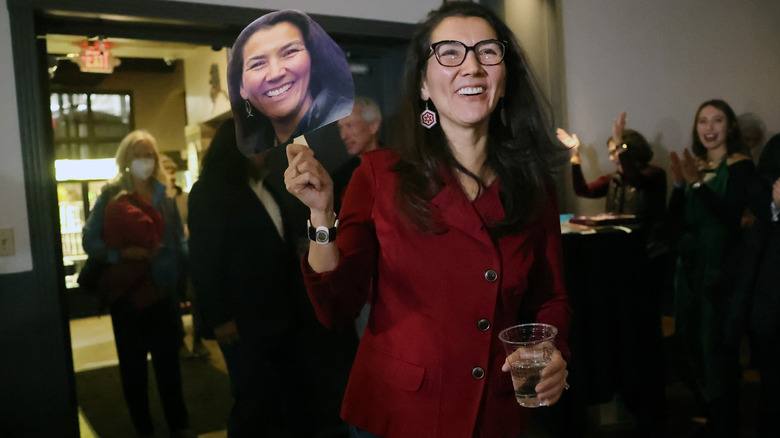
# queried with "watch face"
point(321, 236)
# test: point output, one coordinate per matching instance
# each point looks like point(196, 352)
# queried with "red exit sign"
point(95, 57)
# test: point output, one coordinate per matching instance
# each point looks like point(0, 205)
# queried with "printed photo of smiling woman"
point(286, 77)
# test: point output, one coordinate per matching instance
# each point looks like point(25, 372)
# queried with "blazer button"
point(483, 324)
point(491, 275)
point(477, 373)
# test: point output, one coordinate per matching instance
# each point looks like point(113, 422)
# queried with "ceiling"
point(123, 47)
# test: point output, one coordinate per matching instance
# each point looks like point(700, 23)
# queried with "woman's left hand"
point(618, 126)
point(553, 382)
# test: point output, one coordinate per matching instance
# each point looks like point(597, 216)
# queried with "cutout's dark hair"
point(521, 151)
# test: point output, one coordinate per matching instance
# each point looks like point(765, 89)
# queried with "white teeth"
point(278, 91)
point(471, 90)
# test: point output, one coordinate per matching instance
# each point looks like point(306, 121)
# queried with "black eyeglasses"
point(453, 53)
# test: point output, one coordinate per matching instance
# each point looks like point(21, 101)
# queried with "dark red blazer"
point(429, 363)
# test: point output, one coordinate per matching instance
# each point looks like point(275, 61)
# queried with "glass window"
point(89, 125)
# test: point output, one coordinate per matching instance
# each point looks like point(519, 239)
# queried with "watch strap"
point(323, 235)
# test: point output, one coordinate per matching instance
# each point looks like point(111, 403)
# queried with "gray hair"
point(749, 121)
point(370, 111)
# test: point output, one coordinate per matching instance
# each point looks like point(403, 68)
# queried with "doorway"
point(122, 20)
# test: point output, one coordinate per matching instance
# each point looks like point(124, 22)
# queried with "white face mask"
point(142, 168)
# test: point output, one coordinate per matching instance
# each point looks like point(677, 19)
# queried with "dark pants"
point(150, 330)
point(268, 381)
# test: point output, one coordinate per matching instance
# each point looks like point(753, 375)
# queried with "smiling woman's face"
point(712, 127)
point(465, 95)
point(277, 72)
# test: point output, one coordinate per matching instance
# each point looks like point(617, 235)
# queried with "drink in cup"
point(529, 348)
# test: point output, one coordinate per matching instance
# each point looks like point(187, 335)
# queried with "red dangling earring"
point(428, 117)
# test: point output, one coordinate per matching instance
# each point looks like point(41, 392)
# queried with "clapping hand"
point(618, 126)
point(570, 141)
point(685, 169)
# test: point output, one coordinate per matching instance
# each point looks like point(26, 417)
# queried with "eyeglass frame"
point(502, 44)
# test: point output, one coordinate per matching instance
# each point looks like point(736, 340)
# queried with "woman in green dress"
point(713, 187)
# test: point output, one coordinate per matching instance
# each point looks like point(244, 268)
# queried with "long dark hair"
point(329, 69)
point(223, 161)
point(733, 134)
point(520, 149)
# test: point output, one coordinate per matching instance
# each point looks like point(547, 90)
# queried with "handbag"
point(90, 275)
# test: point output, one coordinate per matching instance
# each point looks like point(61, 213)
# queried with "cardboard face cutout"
point(286, 77)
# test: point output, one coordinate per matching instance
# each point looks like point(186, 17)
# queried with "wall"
point(197, 68)
point(161, 96)
point(659, 60)
point(404, 11)
point(13, 205)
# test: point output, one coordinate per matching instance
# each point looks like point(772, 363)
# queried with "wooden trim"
point(193, 22)
point(40, 185)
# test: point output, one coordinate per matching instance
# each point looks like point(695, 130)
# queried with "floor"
point(93, 347)
point(92, 341)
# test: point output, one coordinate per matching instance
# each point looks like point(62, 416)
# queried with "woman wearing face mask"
point(136, 228)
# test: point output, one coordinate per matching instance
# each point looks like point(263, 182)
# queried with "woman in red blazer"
point(458, 226)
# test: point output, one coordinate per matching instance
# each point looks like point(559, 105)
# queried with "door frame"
point(139, 19)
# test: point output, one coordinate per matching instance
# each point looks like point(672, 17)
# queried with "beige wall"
point(197, 67)
point(158, 103)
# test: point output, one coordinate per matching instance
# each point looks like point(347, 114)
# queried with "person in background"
point(136, 228)
point(458, 224)
point(639, 188)
point(249, 291)
point(359, 132)
point(753, 132)
point(185, 293)
point(711, 193)
point(764, 324)
point(173, 190)
point(636, 187)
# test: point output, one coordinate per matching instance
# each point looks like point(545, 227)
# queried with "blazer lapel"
point(456, 211)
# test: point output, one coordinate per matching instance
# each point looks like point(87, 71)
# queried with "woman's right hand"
point(570, 141)
point(307, 180)
point(676, 167)
point(685, 169)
